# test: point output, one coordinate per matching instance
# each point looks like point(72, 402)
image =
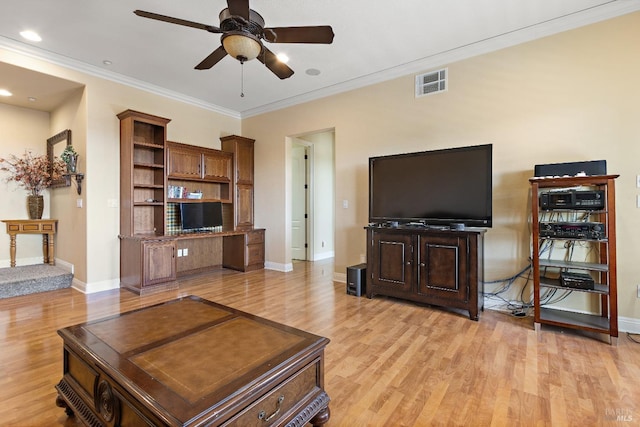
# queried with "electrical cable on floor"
point(631, 337)
point(518, 308)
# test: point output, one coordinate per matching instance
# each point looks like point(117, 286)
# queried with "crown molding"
point(92, 70)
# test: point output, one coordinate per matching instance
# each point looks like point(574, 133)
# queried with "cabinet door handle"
point(266, 418)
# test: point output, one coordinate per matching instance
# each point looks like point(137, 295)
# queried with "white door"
point(299, 202)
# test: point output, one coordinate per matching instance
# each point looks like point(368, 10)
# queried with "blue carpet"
point(30, 279)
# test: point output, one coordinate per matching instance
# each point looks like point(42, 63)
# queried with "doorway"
point(312, 196)
point(299, 200)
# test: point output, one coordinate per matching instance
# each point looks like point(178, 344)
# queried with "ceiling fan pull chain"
point(242, 79)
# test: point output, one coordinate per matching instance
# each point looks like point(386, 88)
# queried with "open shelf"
point(574, 320)
point(599, 288)
point(573, 264)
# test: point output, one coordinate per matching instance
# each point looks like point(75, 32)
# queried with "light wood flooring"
point(389, 363)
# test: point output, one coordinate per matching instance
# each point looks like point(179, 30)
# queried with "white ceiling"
point(375, 40)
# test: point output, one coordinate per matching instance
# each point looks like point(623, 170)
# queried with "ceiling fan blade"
point(212, 59)
point(272, 62)
point(239, 8)
point(178, 21)
point(321, 34)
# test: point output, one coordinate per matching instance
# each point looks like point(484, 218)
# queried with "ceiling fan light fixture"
point(242, 46)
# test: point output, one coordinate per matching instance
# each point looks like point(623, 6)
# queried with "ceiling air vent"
point(431, 82)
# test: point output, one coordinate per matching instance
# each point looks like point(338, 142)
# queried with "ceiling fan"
point(243, 31)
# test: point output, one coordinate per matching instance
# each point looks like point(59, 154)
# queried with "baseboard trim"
point(629, 324)
point(283, 268)
point(324, 255)
point(340, 277)
point(93, 288)
point(20, 262)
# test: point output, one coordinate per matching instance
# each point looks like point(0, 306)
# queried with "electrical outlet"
point(179, 252)
point(638, 291)
point(78, 203)
point(185, 252)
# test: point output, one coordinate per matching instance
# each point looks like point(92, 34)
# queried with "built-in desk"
point(46, 227)
point(154, 262)
point(238, 250)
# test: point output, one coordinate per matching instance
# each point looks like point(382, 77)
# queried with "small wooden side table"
point(46, 227)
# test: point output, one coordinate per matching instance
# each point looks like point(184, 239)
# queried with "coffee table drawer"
point(284, 401)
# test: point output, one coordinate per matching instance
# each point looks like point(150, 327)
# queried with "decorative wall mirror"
point(55, 147)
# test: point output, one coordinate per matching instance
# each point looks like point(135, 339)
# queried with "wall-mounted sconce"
point(79, 177)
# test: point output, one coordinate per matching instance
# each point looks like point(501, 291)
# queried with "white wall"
point(21, 129)
point(323, 194)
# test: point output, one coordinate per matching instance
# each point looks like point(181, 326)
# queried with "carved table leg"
point(12, 249)
point(61, 403)
point(321, 417)
point(45, 248)
point(51, 249)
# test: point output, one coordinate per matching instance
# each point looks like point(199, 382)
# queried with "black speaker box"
point(594, 167)
point(356, 279)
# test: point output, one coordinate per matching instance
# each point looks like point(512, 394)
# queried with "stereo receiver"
point(572, 230)
point(577, 280)
point(572, 199)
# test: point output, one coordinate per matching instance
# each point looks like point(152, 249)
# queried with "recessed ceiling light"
point(107, 62)
point(282, 58)
point(313, 72)
point(32, 99)
point(31, 36)
point(4, 92)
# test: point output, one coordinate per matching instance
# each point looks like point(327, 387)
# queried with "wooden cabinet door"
point(242, 149)
point(184, 163)
point(159, 261)
point(443, 267)
point(217, 167)
point(393, 261)
point(244, 162)
point(244, 206)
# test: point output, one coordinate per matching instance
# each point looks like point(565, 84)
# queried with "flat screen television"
point(438, 187)
point(200, 215)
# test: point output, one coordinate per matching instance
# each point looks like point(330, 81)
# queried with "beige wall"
point(71, 239)
point(569, 97)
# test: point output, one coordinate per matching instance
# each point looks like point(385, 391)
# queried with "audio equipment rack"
point(584, 243)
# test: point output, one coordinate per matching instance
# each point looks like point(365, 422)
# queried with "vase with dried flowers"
point(33, 173)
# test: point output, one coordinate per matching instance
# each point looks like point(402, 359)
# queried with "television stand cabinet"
point(430, 266)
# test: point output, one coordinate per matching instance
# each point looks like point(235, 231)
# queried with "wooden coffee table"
point(192, 362)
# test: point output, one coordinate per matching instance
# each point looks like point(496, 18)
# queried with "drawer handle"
point(263, 415)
